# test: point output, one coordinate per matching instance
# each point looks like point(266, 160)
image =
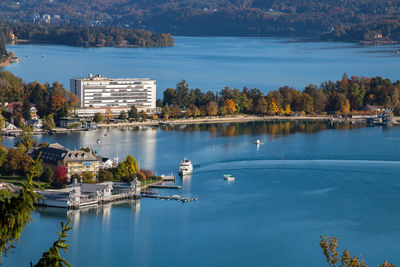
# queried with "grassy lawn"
point(18, 180)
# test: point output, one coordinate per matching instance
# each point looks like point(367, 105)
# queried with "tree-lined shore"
point(349, 95)
point(348, 20)
point(82, 36)
point(344, 96)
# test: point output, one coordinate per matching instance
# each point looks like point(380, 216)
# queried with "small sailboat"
point(258, 142)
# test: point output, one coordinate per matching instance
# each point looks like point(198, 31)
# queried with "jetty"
point(165, 186)
point(174, 197)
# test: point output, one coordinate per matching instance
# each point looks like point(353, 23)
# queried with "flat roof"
point(110, 79)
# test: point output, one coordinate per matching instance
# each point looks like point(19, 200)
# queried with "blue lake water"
point(307, 180)
point(211, 63)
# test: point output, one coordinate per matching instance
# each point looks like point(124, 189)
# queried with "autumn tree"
point(131, 164)
point(329, 246)
point(288, 110)
point(230, 106)
point(59, 106)
point(175, 111)
point(17, 162)
point(143, 115)
point(192, 111)
point(109, 115)
point(166, 111)
point(121, 171)
point(48, 122)
point(88, 177)
point(273, 108)
point(105, 175)
point(262, 106)
point(212, 108)
point(60, 177)
point(346, 107)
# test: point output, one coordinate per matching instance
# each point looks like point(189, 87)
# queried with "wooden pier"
point(169, 178)
point(163, 186)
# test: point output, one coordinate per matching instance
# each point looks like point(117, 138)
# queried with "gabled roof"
point(56, 152)
point(78, 155)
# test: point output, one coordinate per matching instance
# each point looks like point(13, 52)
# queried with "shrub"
point(147, 173)
point(47, 175)
point(141, 176)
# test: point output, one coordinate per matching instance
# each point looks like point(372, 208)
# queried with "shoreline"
point(215, 120)
point(206, 120)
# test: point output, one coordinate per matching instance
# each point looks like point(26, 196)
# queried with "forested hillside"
point(332, 19)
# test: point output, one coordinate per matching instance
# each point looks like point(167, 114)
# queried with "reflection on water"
point(273, 128)
point(186, 183)
point(102, 211)
point(290, 191)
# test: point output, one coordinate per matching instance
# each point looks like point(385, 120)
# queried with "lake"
point(307, 180)
point(211, 63)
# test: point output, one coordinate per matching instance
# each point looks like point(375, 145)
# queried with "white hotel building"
point(97, 93)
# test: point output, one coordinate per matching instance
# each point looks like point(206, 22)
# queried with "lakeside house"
point(9, 127)
point(76, 161)
point(106, 163)
point(10, 107)
point(78, 195)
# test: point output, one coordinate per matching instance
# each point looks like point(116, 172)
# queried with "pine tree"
point(3, 52)
point(15, 211)
point(52, 256)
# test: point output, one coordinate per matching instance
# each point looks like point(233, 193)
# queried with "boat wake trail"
point(309, 164)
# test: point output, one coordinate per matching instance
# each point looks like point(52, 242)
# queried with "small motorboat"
point(98, 141)
point(258, 142)
point(229, 177)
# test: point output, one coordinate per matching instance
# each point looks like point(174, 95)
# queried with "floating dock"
point(175, 197)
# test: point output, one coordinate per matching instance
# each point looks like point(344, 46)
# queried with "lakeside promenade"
point(210, 120)
point(238, 118)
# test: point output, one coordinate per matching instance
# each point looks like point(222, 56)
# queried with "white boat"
point(185, 167)
point(98, 141)
point(258, 142)
point(229, 177)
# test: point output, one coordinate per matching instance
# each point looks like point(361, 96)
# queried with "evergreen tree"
point(52, 256)
point(26, 109)
point(15, 211)
point(3, 52)
point(133, 113)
